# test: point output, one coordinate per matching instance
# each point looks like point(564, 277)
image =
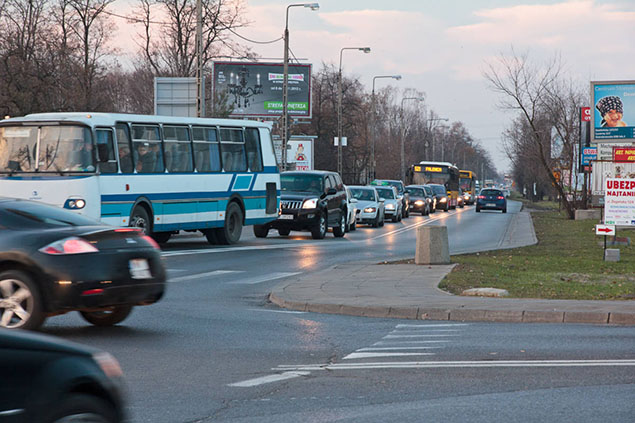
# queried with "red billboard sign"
point(585, 115)
point(624, 154)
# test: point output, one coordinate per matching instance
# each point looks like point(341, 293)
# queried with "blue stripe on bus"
point(242, 182)
point(177, 195)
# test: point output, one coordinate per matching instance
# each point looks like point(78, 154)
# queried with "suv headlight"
point(369, 210)
point(419, 203)
point(311, 203)
point(443, 200)
point(390, 206)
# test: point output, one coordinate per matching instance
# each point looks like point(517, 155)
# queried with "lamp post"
point(285, 81)
point(371, 172)
point(430, 130)
point(339, 106)
point(403, 135)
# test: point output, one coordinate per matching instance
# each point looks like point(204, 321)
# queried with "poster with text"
point(619, 202)
point(613, 116)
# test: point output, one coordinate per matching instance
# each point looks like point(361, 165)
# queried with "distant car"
point(309, 201)
point(370, 209)
point(431, 197)
point(420, 202)
point(351, 217)
point(53, 261)
point(45, 379)
point(441, 195)
point(392, 203)
point(401, 193)
point(491, 199)
point(460, 199)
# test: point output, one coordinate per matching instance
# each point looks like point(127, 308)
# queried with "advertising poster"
point(619, 202)
point(300, 153)
point(255, 89)
point(613, 117)
point(602, 171)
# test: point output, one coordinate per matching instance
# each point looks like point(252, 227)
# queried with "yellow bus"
point(442, 173)
point(467, 182)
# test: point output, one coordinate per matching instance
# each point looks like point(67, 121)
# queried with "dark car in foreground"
point(420, 200)
point(441, 196)
point(309, 201)
point(491, 199)
point(53, 261)
point(47, 380)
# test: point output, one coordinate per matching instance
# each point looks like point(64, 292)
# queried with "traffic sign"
point(605, 229)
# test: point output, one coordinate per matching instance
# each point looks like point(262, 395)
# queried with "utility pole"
point(200, 94)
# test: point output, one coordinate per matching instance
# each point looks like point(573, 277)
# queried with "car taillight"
point(500, 197)
point(151, 241)
point(128, 230)
point(72, 245)
point(481, 197)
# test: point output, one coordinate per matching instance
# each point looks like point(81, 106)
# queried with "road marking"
point(265, 278)
point(415, 336)
point(408, 342)
point(355, 355)
point(278, 311)
point(204, 275)
point(425, 330)
point(397, 348)
point(416, 225)
point(457, 364)
point(268, 379)
point(432, 326)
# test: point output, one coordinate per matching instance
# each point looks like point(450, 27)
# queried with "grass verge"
point(567, 263)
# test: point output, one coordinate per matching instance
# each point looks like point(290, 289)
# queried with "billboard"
point(255, 89)
point(619, 202)
point(299, 151)
point(176, 97)
point(613, 117)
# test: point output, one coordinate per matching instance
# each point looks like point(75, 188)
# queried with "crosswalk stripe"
point(268, 379)
point(355, 355)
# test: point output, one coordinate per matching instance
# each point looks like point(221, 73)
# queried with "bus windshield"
point(465, 184)
point(61, 149)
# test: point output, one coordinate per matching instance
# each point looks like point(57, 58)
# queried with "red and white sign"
point(624, 155)
point(619, 202)
point(605, 229)
point(586, 114)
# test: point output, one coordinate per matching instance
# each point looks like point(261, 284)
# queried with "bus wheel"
point(233, 227)
point(140, 219)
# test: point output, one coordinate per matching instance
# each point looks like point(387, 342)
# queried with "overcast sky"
point(441, 47)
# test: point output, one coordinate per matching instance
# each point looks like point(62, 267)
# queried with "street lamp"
point(371, 172)
point(403, 135)
point(430, 130)
point(285, 81)
point(339, 107)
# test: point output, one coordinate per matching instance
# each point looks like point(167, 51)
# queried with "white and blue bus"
point(162, 174)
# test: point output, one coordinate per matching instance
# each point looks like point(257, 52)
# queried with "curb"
point(460, 314)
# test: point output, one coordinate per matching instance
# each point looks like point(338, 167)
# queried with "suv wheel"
point(284, 231)
point(261, 231)
point(339, 230)
point(319, 231)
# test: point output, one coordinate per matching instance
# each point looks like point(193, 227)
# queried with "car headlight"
point(370, 210)
point(419, 203)
point(390, 206)
point(443, 200)
point(311, 203)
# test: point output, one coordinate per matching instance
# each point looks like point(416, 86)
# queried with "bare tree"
point(527, 89)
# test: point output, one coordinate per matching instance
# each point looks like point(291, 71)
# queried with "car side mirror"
point(331, 191)
point(353, 200)
point(381, 199)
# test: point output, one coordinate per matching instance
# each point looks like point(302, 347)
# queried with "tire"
point(375, 223)
point(478, 210)
point(381, 221)
point(284, 231)
point(161, 237)
point(353, 225)
point(340, 230)
point(141, 220)
point(83, 408)
point(505, 210)
point(210, 234)
point(395, 218)
point(261, 231)
point(22, 295)
point(233, 227)
point(319, 231)
point(107, 317)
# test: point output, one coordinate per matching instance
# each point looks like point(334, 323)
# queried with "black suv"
point(401, 190)
point(309, 200)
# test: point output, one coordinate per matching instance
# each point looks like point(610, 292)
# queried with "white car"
point(370, 209)
point(351, 207)
point(392, 202)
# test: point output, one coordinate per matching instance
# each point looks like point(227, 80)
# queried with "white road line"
point(408, 342)
point(425, 330)
point(268, 379)
point(265, 278)
point(355, 355)
point(415, 336)
point(397, 348)
point(278, 311)
point(458, 364)
point(203, 275)
point(441, 325)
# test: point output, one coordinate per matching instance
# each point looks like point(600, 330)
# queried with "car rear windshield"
point(26, 215)
point(299, 182)
point(439, 189)
point(363, 194)
point(386, 193)
point(491, 192)
point(417, 192)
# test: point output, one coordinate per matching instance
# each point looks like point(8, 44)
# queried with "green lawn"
point(567, 263)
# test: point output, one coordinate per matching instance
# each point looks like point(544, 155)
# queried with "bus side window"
point(252, 145)
point(178, 151)
point(123, 148)
point(147, 150)
point(232, 146)
point(106, 151)
point(206, 149)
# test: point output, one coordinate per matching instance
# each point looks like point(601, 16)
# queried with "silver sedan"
point(370, 209)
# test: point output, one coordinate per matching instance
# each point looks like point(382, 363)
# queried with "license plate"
point(139, 269)
point(490, 205)
point(285, 217)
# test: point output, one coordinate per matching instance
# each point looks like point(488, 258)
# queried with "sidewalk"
point(409, 291)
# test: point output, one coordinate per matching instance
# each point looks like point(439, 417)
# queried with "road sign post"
point(605, 230)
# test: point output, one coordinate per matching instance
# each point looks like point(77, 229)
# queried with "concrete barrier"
point(588, 214)
point(432, 245)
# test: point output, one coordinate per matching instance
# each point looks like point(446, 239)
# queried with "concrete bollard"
point(432, 245)
point(612, 254)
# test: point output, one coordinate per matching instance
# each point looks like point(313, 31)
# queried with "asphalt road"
point(214, 350)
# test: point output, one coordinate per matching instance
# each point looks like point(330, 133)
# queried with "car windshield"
point(300, 182)
point(386, 193)
point(363, 194)
point(26, 215)
point(491, 192)
point(439, 189)
point(416, 192)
